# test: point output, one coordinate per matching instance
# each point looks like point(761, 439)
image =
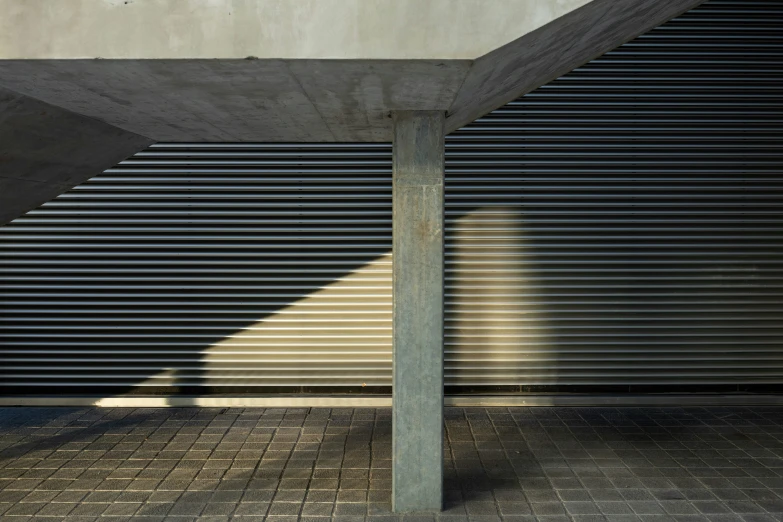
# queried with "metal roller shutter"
point(206, 265)
point(622, 226)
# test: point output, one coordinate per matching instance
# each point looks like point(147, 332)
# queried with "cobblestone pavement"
point(549, 464)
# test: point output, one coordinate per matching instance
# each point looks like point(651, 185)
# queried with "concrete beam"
point(45, 150)
point(555, 49)
point(241, 100)
point(417, 403)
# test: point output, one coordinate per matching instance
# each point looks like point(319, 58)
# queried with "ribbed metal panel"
point(621, 226)
point(206, 265)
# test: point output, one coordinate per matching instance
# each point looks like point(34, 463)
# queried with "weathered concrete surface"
point(554, 49)
point(45, 150)
point(354, 29)
point(417, 413)
point(241, 100)
point(355, 97)
point(313, 99)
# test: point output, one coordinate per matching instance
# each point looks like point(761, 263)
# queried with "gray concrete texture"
point(45, 150)
point(299, 29)
point(314, 464)
point(555, 49)
point(241, 100)
point(418, 191)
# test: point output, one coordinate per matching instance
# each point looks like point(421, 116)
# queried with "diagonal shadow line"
point(194, 358)
point(193, 376)
point(193, 379)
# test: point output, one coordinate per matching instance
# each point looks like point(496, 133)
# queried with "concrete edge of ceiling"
point(241, 100)
point(555, 49)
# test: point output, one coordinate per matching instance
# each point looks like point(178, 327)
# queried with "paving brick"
point(59, 509)
point(121, 509)
point(91, 509)
point(285, 508)
point(350, 509)
point(321, 509)
point(154, 509)
point(579, 464)
point(27, 509)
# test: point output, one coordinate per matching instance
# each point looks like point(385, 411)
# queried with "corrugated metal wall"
point(623, 225)
point(619, 227)
point(206, 266)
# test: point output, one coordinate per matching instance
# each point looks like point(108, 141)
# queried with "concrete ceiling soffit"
point(555, 49)
point(241, 100)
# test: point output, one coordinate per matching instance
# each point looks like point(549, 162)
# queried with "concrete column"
point(417, 417)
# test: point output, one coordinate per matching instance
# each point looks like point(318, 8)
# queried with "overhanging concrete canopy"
point(296, 71)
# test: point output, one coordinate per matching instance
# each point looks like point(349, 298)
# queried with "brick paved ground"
point(581, 464)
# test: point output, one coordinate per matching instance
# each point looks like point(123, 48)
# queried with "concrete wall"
point(397, 29)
